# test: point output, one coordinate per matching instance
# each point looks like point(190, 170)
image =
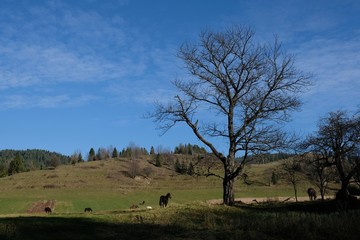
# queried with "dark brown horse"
point(47, 210)
point(87, 209)
point(164, 200)
point(312, 193)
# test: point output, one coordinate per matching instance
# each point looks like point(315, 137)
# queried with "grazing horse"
point(87, 209)
point(48, 210)
point(134, 206)
point(312, 193)
point(164, 200)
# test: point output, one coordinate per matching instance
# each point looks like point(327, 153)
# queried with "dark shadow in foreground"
point(40, 228)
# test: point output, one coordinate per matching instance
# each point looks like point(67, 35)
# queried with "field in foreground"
point(196, 221)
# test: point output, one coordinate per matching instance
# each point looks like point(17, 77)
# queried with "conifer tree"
point(152, 150)
point(91, 156)
point(158, 160)
point(115, 153)
point(80, 158)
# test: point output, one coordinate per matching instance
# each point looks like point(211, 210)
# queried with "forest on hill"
point(15, 161)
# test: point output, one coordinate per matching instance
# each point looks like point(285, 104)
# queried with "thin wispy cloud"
point(46, 101)
point(334, 63)
point(69, 46)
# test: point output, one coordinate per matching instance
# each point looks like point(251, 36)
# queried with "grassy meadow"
point(107, 188)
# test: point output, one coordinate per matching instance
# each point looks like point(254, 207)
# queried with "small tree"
point(337, 143)
point(80, 158)
point(291, 172)
point(115, 153)
point(74, 158)
point(134, 168)
point(319, 172)
point(55, 162)
point(152, 150)
point(158, 160)
point(16, 165)
point(91, 156)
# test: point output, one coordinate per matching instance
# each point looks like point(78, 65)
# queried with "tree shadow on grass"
point(39, 228)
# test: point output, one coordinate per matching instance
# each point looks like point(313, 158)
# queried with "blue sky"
point(81, 74)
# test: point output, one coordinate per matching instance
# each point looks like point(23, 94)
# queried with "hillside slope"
point(118, 184)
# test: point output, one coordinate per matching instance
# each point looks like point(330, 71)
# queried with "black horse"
point(164, 200)
point(87, 209)
point(48, 210)
point(312, 193)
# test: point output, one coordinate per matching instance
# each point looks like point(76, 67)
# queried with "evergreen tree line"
point(15, 161)
point(128, 152)
point(133, 151)
point(189, 149)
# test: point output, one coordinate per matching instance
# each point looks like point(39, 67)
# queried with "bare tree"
point(134, 168)
point(291, 171)
point(337, 143)
point(246, 90)
point(319, 171)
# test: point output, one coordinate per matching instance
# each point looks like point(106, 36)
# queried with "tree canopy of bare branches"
point(337, 143)
point(238, 91)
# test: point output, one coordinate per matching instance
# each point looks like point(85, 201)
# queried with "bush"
point(134, 169)
point(274, 178)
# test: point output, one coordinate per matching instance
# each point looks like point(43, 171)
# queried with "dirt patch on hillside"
point(39, 206)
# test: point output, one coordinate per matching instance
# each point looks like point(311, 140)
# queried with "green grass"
point(105, 186)
point(195, 221)
point(109, 191)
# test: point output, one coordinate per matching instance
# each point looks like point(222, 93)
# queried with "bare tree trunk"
point(228, 193)
point(322, 192)
point(295, 191)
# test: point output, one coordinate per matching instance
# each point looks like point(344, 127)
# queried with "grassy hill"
point(111, 184)
point(110, 187)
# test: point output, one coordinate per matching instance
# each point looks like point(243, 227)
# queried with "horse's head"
point(168, 195)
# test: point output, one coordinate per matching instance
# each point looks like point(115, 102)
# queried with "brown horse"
point(312, 193)
point(164, 200)
point(47, 210)
point(134, 206)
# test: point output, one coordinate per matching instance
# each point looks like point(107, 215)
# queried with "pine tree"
point(158, 160)
point(91, 155)
point(80, 159)
point(152, 150)
point(115, 153)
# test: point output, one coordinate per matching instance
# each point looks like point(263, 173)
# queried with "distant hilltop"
point(14, 161)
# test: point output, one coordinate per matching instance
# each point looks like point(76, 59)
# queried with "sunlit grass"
point(105, 186)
